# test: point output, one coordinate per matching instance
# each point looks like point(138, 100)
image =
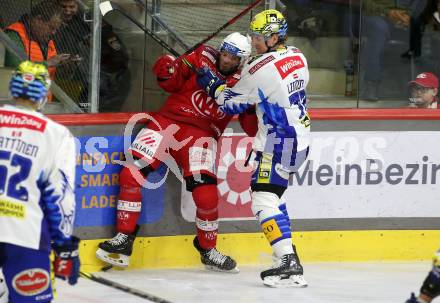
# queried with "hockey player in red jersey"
point(197, 123)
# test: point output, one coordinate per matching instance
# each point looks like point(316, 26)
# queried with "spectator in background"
point(74, 37)
point(431, 286)
point(424, 91)
point(33, 34)
point(379, 17)
point(417, 28)
point(115, 76)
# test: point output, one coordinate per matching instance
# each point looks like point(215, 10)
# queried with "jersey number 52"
point(10, 185)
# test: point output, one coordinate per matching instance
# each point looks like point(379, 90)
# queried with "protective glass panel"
point(59, 33)
point(399, 41)
point(327, 32)
point(180, 24)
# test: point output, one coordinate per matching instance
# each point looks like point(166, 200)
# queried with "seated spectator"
point(379, 17)
point(32, 33)
point(421, 16)
point(74, 37)
point(423, 91)
point(317, 18)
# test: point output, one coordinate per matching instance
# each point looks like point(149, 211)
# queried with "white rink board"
point(402, 154)
point(325, 187)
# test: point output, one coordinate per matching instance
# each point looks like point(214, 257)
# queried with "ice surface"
point(328, 283)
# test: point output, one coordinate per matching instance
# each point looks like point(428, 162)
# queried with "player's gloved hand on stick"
point(66, 264)
point(164, 67)
point(208, 81)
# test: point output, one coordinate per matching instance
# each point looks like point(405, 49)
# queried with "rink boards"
point(368, 192)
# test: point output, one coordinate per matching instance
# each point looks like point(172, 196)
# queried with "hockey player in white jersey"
point(37, 205)
point(431, 285)
point(275, 81)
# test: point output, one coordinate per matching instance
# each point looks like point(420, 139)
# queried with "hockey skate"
point(215, 260)
point(117, 250)
point(286, 272)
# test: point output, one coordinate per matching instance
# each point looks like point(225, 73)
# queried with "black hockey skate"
point(287, 272)
point(215, 260)
point(117, 250)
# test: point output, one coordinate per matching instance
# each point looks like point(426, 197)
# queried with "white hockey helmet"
point(237, 45)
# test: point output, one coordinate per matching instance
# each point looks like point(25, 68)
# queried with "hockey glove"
point(208, 81)
point(249, 121)
point(66, 263)
point(164, 67)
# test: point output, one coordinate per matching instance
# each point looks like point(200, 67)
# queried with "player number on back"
point(11, 184)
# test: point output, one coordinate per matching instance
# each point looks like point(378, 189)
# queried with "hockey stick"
point(109, 6)
point(230, 22)
point(124, 288)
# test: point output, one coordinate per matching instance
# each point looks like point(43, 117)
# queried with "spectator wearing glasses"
point(423, 91)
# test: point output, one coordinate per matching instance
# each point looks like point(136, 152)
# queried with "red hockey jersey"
point(188, 103)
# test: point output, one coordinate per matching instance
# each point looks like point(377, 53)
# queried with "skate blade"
point(235, 270)
point(120, 261)
point(296, 281)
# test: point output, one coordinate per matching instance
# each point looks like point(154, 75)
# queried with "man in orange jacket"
point(32, 33)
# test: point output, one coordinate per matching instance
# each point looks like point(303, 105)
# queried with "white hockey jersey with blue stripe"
point(276, 83)
point(37, 173)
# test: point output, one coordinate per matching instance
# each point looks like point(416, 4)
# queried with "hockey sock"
point(283, 209)
point(129, 202)
point(206, 200)
point(273, 222)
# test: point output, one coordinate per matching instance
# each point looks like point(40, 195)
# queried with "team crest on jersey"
point(206, 106)
point(31, 281)
point(288, 65)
